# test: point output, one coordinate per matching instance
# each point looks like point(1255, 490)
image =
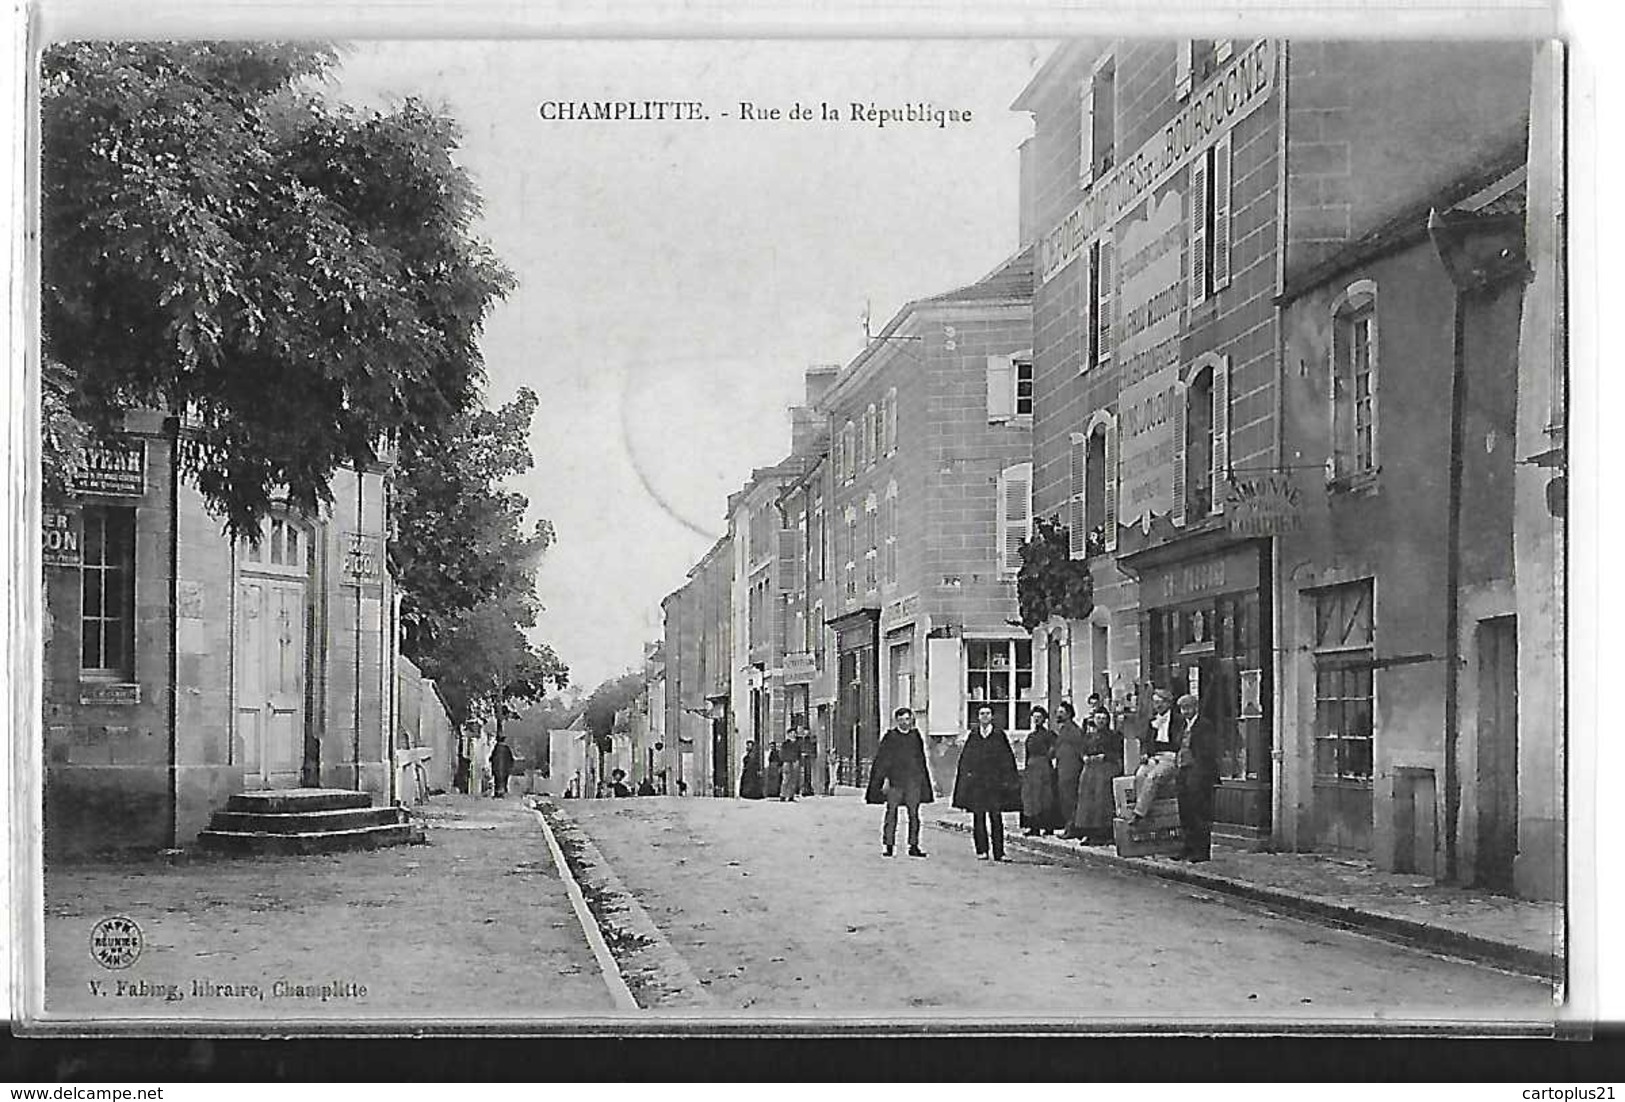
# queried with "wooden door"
point(1497, 752)
point(271, 656)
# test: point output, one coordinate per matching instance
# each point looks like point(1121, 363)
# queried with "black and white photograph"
point(1060, 533)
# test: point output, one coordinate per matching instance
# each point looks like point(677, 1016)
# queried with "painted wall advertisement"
point(1150, 303)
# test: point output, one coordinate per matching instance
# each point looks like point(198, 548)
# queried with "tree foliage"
point(1051, 582)
point(295, 277)
point(606, 701)
point(466, 564)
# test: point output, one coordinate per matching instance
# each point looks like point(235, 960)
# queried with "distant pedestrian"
point(1198, 773)
point(646, 787)
point(1069, 740)
point(790, 768)
point(501, 766)
point(682, 788)
point(771, 776)
point(986, 784)
point(899, 777)
point(1040, 807)
point(617, 786)
point(750, 774)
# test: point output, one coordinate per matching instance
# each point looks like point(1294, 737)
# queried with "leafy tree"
point(466, 565)
point(294, 277)
point(606, 702)
point(1051, 582)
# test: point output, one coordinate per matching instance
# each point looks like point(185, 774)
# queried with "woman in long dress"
point(1040, 803)
point(1102, 760)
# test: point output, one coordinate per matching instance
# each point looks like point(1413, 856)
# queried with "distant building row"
point(1281, 351)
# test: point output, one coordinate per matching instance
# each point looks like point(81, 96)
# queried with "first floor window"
point(107, 593)
point(1344, 726)
point(999, 675)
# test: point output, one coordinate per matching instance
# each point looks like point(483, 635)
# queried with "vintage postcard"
point(1007, 533)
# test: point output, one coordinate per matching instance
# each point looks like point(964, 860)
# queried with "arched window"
point(1354, 383)
point(1202, 439)
point(1199, 444)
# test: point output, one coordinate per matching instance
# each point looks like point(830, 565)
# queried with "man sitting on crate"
point(1158, 774)
point(1198, 773)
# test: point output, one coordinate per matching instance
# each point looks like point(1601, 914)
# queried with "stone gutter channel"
point(1403, 931)
point(653, 970)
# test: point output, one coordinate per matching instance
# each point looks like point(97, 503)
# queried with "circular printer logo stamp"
point(115, 942)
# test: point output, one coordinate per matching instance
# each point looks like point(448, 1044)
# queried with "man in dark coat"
point(986, 784)
point(1198, 773)
point(1068, 766)
point(501, 766)
point(899, 776)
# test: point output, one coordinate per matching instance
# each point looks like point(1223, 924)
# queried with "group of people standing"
point(787, 772)
point(1067, 783)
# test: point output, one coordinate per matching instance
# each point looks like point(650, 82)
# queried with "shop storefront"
point(857, 702)
point(1205, 629)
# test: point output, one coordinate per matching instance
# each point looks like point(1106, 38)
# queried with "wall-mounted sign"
point(1264, 505)
point(60, 529)
point(117, 470)
point(1150, 304)
point(1230, 96)
point(363, 559)
point(1252, 694)
point(109, 692)
point(1177, 583)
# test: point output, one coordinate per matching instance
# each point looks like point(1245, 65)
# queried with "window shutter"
point(789, 540)
point(1183, 53)
point(1221, 431)
point(1103, 283)
point(1198, 271)
point(891, 420)
point(1221, 213)
point(1015, 514)
point(1001, 388)
point(1077, 543)
point(1085, 329)
point(1178, 511)
point(1110, 483)
point(1086, 133)
point(944, 677)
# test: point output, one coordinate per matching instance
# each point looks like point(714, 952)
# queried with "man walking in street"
point(986, 783)
point(501, 766)
point(790, 766)
point(1198, 773)
point(899, 776)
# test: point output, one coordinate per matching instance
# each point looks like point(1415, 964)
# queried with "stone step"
point(326, 841)
point(280, 801)
point(305, 822)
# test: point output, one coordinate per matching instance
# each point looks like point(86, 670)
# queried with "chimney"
point(820, 377)
point(1027, 153)
point(805, 427)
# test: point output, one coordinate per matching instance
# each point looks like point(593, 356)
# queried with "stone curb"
point(1403, 931)
point(657, 974)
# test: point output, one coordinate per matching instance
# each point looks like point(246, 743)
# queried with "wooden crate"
point(1123, 799)
point(1148, 838)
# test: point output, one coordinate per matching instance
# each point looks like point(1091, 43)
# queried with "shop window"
point(1097, 129)
point(1210, 176)
point(1344, 728)
point(999, 674)
point(1354, 384)
point(107, 593)
point(1015, 497)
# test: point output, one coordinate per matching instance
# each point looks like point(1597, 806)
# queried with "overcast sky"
point(677, 278)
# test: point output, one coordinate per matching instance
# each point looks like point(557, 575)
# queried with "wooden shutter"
point(1111, 485)
point(1015, 514)
point(1001, 388)
point(891, 420)
point(1103, 297)
point(1179, 418)
point(1086, 330)
point(1221, 431)
point(944, 689)
point(1198, 272)
point(1086, 133)
point(1183, 52)
point(1221, 213)
point(1077, 543)
point(789, 540)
